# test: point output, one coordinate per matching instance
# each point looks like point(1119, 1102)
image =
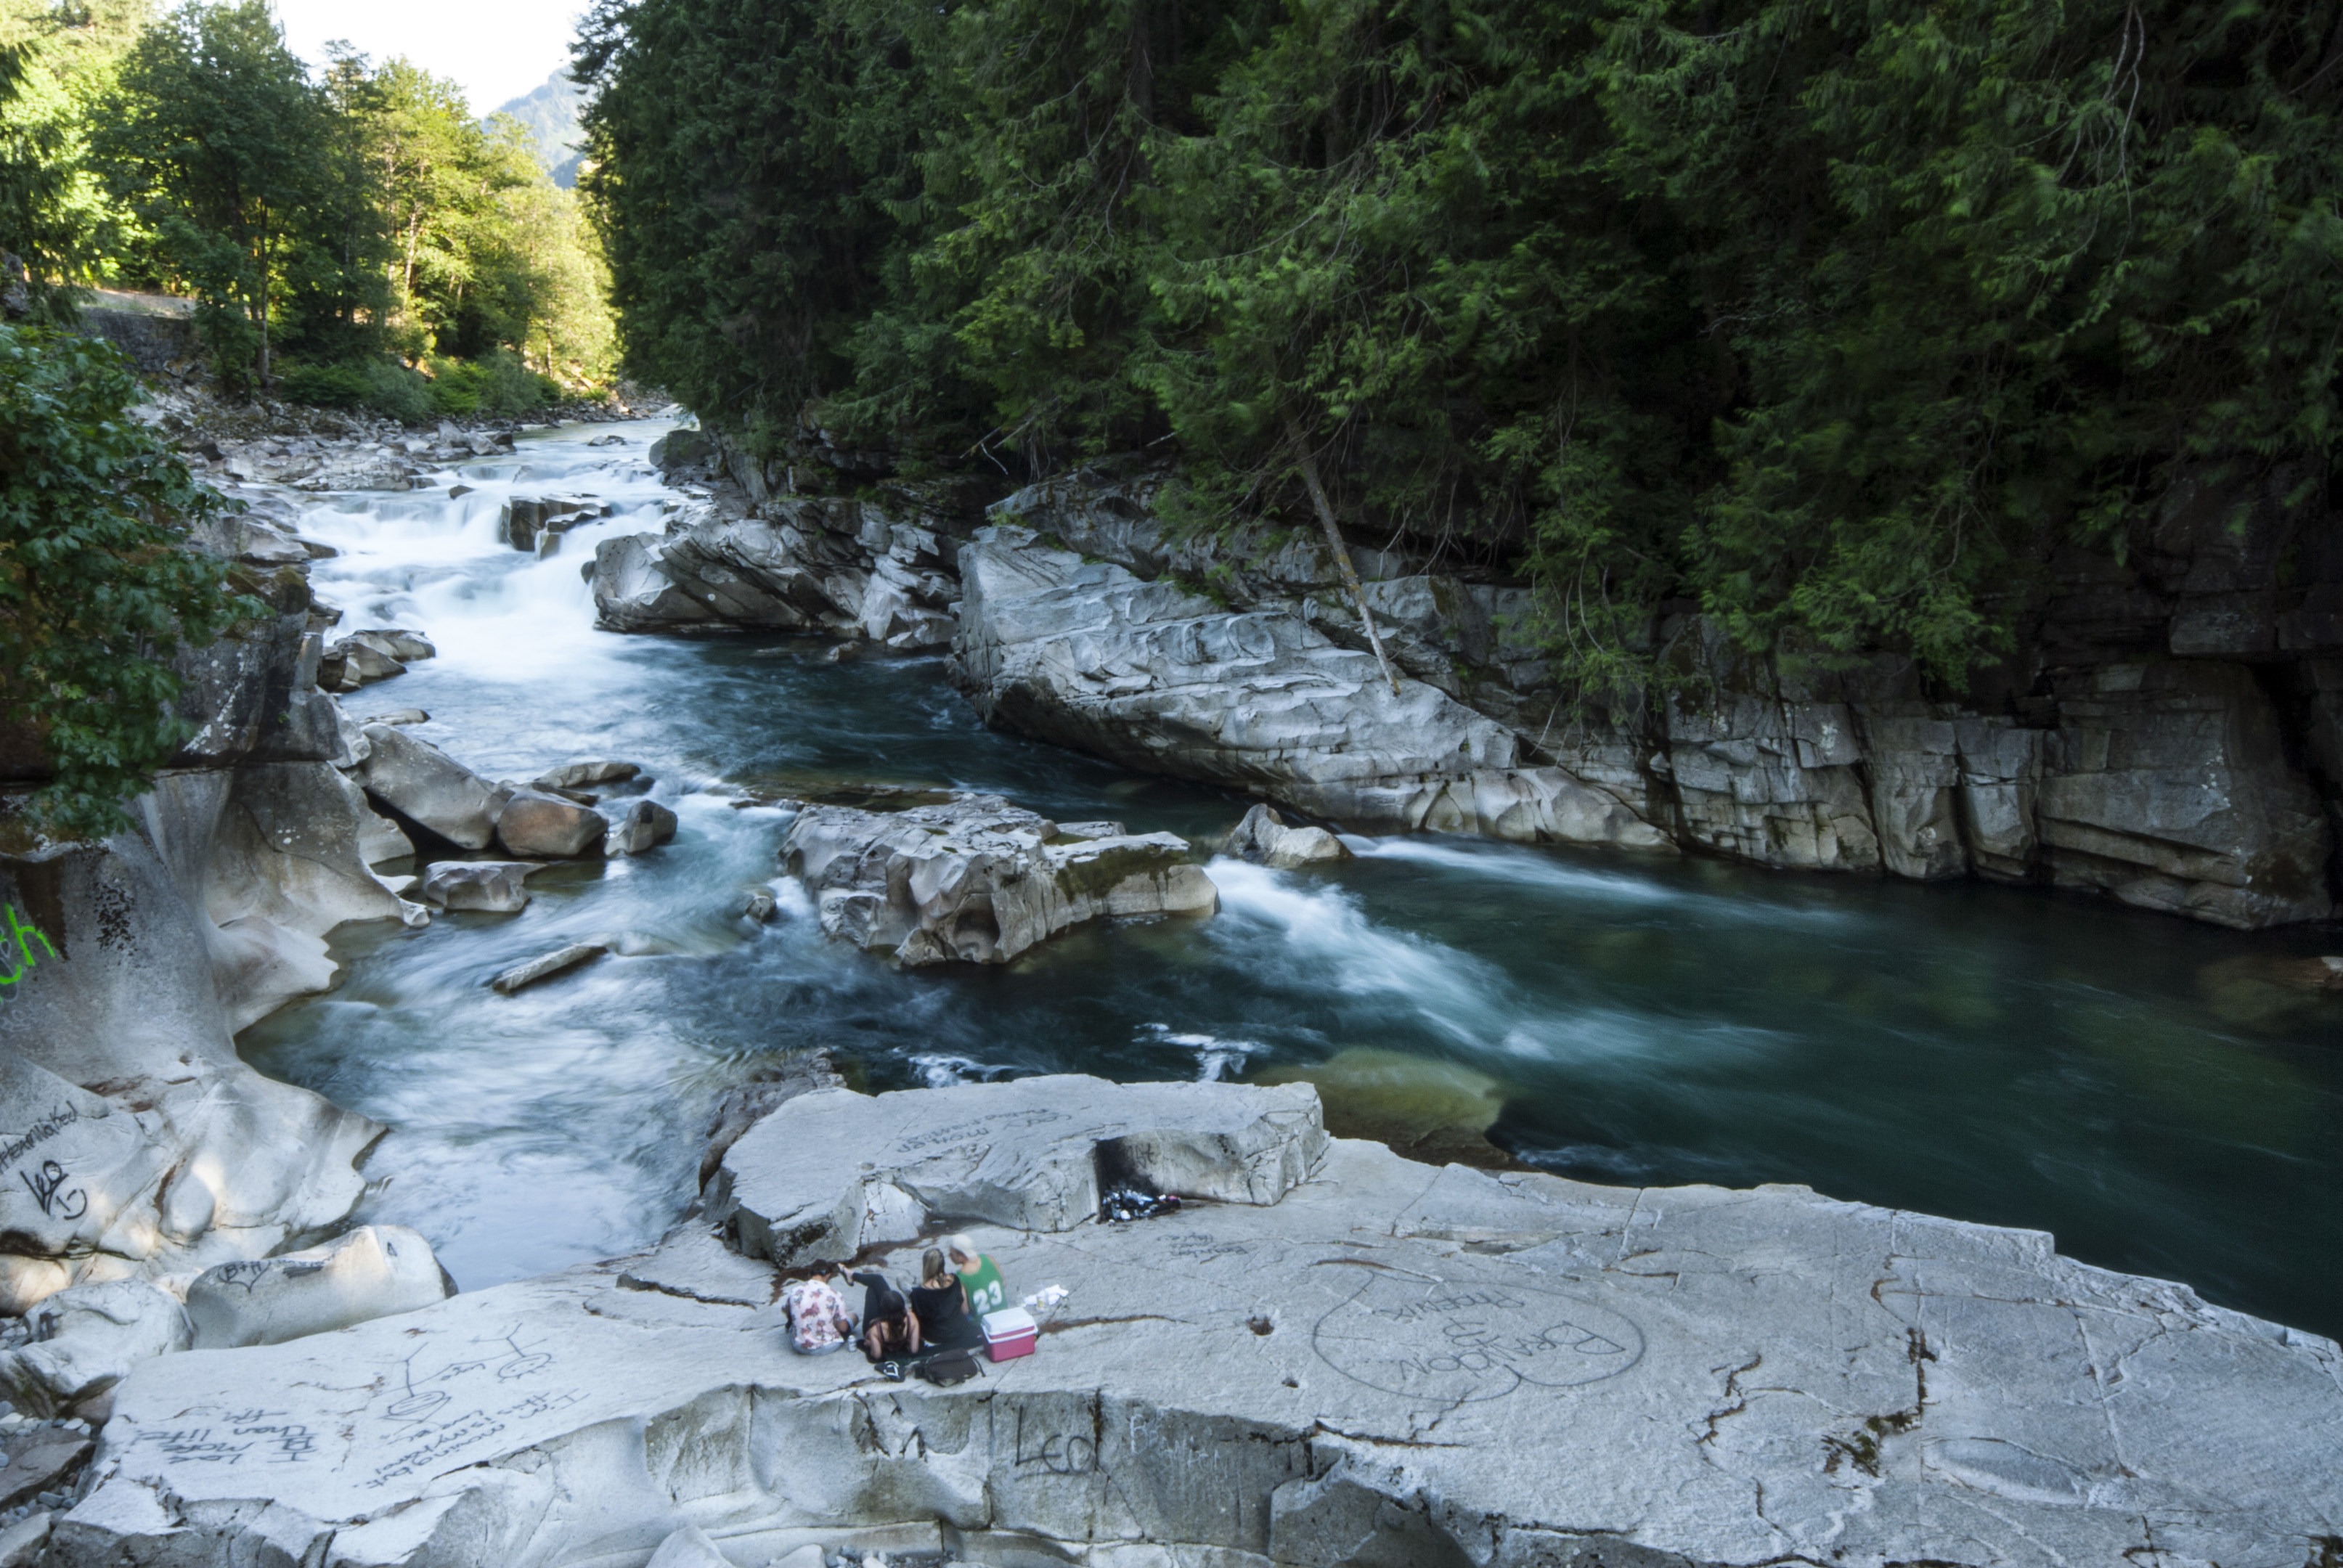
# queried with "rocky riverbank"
point(2171, 733)
point(141, 1155)
point(1331, 1356)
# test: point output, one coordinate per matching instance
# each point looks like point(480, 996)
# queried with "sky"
point(496, 49)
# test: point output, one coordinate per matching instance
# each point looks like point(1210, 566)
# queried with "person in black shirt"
point(942, 1308)
point(889, 1331)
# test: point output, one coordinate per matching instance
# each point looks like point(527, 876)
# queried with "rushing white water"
point(2120, 1078)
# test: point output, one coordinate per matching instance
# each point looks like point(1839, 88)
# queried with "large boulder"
point(483, 887)
point(560, 962)
point(547, 827)
point(643, 825)
point(680, 448)
point(1262, 837)
point(536, 523)
point(349, 664)
point(424, 785)
point(802, 564)
point(1037, 1154)
point(632, 594)
point(978, 880)
point(583, 774)
point(394, 642)
point(1392, 1364)
point(374, 1271)
point(1088, 654)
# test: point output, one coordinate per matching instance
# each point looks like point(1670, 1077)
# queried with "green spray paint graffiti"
point(16, 947)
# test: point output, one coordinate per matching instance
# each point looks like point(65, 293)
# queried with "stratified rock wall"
point(2170, 732)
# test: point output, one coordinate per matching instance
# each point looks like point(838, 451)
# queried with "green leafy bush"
point(498, 385)
point(374, 383)
point(99, 587)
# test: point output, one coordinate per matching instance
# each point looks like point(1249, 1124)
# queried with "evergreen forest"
point(1836, 319)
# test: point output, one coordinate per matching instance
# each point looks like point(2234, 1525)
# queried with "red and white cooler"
point(1010, 1333)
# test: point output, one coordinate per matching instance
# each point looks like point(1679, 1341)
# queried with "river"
point(2131, 1082)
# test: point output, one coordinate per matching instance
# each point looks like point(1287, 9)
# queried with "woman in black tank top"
point(942, 1308)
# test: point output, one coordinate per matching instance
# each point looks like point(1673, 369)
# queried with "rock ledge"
point(1388, 1364)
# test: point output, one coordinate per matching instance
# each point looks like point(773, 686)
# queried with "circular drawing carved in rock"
point(1459, 1340)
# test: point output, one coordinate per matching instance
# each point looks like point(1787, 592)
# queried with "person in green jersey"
point(980, 1277)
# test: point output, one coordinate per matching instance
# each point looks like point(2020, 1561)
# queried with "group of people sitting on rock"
point(944, 1312)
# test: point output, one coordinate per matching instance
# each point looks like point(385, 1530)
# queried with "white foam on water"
point(1323, 938)
point(439, 565)
point(1545, 871)
point(1215, 1057)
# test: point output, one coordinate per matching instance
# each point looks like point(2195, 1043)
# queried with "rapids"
point(2146, 1088)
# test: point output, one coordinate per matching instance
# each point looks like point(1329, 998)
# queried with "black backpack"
point(946, 1368)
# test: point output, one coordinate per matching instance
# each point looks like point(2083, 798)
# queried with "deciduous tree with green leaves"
point(218, 137)
point(97, 584)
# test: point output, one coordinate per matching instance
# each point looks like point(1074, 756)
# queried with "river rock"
point(394, 642)
point(250, 538)
point(486, 887)
point(349, 664)
point(1088, 654)
point(1391, 1364)
point(424, 785)
point(680, 448)
point(1420, 1106)
point(1263, 838)
point(553, 963)
point(978, 880)
point(643, 825)
point(802, 564)
point(1037, 1153)
point(632, 594)
point(532, 523)
point(375, 1271)
point(545, 826)
point(585, 774)
point(84, 1339)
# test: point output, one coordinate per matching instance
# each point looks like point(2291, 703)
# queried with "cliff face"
point(2170, 731)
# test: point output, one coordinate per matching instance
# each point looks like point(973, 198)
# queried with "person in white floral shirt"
point(818, 1322)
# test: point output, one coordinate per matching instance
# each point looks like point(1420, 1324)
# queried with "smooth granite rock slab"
point(373, 1272)
point(694, 1265)
point(1393, 1365)
point(831, 1173)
